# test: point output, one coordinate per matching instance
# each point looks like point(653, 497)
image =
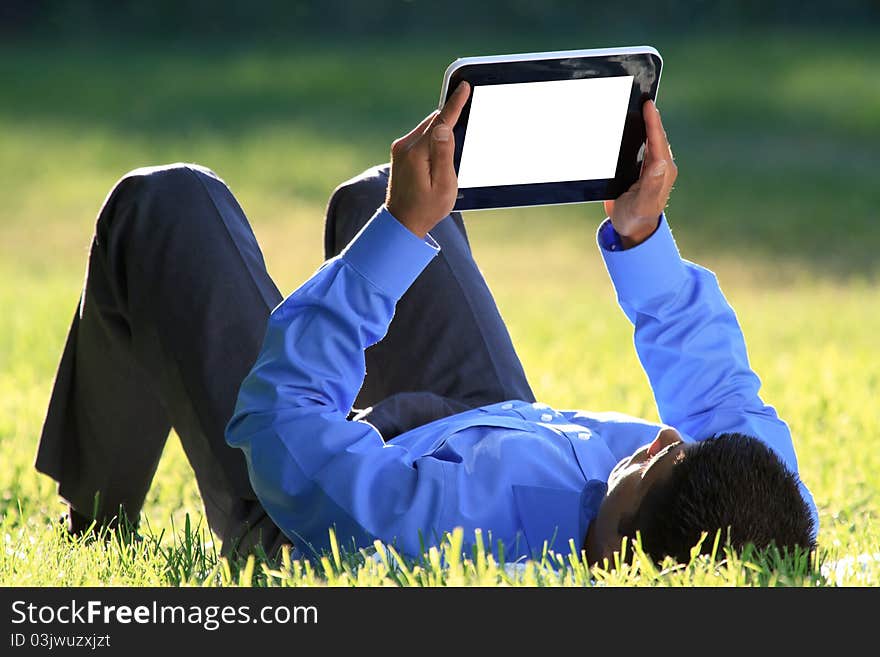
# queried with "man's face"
point(628, 482)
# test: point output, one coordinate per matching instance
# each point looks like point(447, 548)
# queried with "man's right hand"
point(636, 213)
point(422, 187)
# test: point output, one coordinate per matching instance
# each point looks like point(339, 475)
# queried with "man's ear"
point(664, 438)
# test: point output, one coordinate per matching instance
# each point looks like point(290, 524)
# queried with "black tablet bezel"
point(645, 67)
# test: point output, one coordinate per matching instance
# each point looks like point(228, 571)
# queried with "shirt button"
point(546, 417)
point(584, 436)
point(506, 407)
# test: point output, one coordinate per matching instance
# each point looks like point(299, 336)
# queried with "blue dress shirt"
point(523, 473)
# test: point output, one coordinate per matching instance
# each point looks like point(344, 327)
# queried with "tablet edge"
point(536, 56)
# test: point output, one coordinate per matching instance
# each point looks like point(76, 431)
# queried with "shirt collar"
point(556, 515)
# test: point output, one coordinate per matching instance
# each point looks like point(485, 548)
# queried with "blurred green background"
point(772, 109)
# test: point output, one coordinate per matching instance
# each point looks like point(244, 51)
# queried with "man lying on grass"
point(399, 323)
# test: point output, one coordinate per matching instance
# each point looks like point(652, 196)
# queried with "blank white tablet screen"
point(537, 132)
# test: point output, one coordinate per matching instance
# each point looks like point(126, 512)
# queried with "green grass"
point(777, 193)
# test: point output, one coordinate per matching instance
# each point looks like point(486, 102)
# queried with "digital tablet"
point(551, 127)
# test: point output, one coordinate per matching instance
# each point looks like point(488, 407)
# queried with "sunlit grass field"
point(776, 140)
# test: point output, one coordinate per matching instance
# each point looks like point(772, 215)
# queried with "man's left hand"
point(636, 213)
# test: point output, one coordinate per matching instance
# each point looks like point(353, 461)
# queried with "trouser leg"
point(171, 319)
point(447, 348)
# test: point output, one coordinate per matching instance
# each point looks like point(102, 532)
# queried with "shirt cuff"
point(643, 271)
point(388, 254)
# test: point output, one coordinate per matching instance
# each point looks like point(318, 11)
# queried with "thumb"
point(442, 152)
point(654, 175)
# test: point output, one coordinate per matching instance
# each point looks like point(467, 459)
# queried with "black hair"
point(730, 482)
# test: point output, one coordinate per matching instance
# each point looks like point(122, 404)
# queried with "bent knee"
point(163, 179)
point(351, 205)
point(159, 195)
point(370, 183)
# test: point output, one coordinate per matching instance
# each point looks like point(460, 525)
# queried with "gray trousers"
point(172, 317)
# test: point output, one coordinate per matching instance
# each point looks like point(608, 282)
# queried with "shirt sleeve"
point(691, 346)
point(311, 467)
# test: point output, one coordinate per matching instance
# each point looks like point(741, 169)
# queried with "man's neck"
point(593, 547)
